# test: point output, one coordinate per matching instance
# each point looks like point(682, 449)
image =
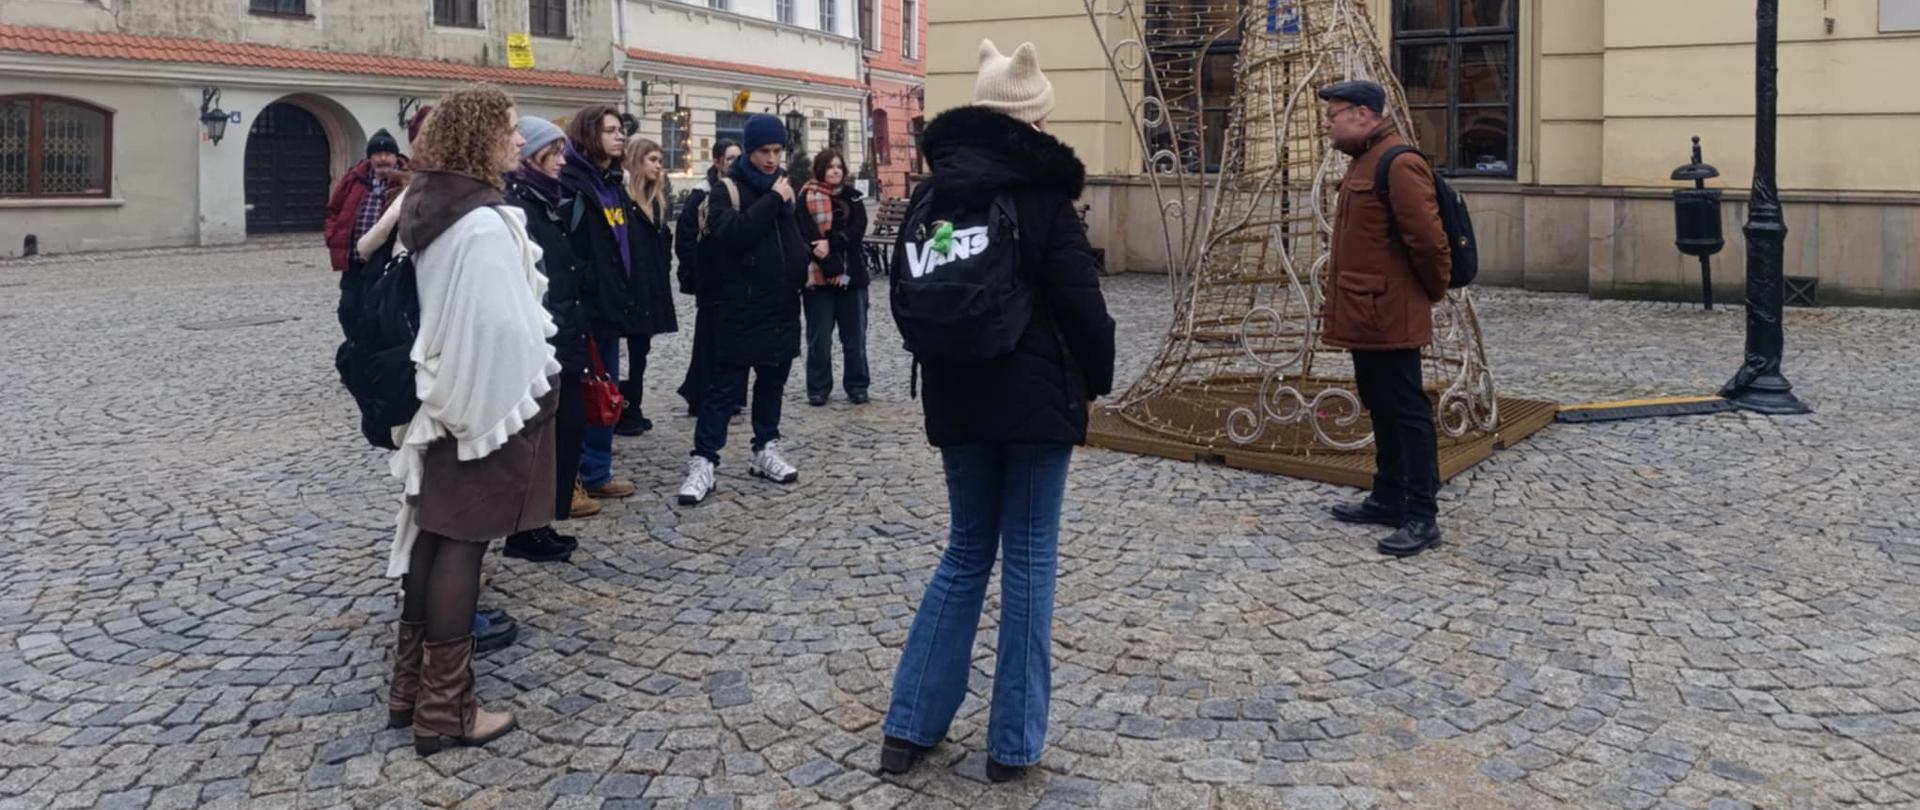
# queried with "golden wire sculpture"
point(1248, 206)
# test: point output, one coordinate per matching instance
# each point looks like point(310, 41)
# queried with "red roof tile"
point(61, 42)
point(740, 67)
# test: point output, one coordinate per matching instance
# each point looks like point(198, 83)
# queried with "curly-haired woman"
point(478, 457)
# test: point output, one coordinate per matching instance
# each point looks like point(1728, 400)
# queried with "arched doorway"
point(288, 171)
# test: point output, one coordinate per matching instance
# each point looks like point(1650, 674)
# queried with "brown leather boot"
point(447, 713)
point(406, 674)
point(583, 504)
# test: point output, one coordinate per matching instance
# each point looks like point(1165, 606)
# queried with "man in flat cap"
point(1389, 267)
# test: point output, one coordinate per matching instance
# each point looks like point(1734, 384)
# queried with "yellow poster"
point(519, 52)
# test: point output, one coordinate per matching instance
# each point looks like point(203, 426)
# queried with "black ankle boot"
point(899, 756)
point(997, 772)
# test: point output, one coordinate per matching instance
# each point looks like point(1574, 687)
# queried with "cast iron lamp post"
point(1759, 386)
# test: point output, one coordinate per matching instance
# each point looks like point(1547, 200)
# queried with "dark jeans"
point(727, 392)
point(352, 287)
point(570, 430)
point(1005, 500)
point(634, 385)
point(1406, 446)
point(847, 309)
point(695, 385)
point(596, 456)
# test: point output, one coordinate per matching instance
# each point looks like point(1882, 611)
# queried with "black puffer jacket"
point(547, 206)
point(1040, 392)
point(756, 267)
point(686, 235)
point(844, 239)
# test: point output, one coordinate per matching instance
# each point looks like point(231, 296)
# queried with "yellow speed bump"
point(1642, 409)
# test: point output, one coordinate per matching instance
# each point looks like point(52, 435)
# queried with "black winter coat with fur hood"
point(1040, 393)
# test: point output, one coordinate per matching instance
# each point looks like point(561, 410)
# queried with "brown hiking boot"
point(583, 504)
point(616, 488)
point(447, 713)
point(406, 674)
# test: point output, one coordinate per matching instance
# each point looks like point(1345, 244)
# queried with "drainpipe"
point(626, 76)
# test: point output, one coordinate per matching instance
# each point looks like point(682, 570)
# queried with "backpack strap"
point(1382, 180)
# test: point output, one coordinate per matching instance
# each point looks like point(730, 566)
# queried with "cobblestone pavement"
point(1715, 612)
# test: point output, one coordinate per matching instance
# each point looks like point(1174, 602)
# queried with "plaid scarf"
point(820, 206)
point(370, 209)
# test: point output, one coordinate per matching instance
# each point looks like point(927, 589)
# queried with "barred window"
point(54, 147)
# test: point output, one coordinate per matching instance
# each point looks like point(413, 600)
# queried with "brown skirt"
point(507, 492)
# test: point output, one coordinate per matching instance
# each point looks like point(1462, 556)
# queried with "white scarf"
point(481, 360)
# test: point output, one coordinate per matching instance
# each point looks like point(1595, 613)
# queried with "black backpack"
point(1453, 217)
point(376, 359)
point(967, 304)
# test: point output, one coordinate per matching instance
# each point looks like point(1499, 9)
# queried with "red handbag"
point(600, 392)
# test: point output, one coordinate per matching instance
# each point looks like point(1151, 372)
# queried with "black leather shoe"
point(898, 756)
point(1411, 539)
point(997, 772)
point(1369, 511)
point(632, 423)
point(537, 545)
point(816, 400)
point(858, 399)
point(492, 634)
point(566, 541)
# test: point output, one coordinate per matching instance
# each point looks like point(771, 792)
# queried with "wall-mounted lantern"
point(212, 118)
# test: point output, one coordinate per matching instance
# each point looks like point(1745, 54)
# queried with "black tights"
point(442, 586)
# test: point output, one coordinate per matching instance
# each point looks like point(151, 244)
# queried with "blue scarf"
point(611, 199)
point(757, 180)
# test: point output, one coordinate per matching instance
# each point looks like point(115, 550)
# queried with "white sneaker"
point(699, 483)
point(771, 465)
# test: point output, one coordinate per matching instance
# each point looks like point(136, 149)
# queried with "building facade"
point(1562, 121)
point(894, 36)
point(102, 139)
point(694, 71)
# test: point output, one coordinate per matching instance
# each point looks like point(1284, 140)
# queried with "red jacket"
point(343, 204)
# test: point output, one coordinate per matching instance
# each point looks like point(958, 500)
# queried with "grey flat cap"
point(1363, 93)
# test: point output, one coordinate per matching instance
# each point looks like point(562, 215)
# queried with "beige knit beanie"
point(1013, 85)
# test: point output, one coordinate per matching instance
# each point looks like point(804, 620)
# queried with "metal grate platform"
point(1519, 418)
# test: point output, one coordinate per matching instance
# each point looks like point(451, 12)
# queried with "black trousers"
point(694, 387)
point(570, 426)
point(1406, 447)
point(635, 385)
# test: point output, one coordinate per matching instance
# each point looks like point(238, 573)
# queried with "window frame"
point(783, 11)
point(722, 132)
point(676, 139)
point(536, 17)
point(720, 5)
point(869, 14)
point(1200, 51)
point(830, 16)
point(36, 148)
point(479, 18)
point(1456, 39)
point(837, 134)
point(910, 29)
point(302, 13)
point(879, 122)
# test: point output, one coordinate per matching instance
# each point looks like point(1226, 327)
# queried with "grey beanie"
point(539, 132)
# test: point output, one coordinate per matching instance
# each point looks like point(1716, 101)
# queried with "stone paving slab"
point(1718, 611)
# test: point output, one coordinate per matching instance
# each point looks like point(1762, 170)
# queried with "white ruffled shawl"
point(481, 360)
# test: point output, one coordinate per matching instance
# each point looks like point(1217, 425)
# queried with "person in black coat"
point(752, 281)
point(834, 220)
point(597, 231)
point(1006, 428)
point(535, 187)
point(649, 283)
point(690, 253)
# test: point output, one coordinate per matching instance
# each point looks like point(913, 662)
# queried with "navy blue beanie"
point(763, 130)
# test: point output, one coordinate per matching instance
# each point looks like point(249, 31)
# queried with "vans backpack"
point(376, 360)
point(957, 291)
point(1453, 217)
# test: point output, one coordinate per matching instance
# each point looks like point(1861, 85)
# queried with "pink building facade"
point(894, 36)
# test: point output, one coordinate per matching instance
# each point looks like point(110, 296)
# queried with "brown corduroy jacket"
point(1383, 281)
